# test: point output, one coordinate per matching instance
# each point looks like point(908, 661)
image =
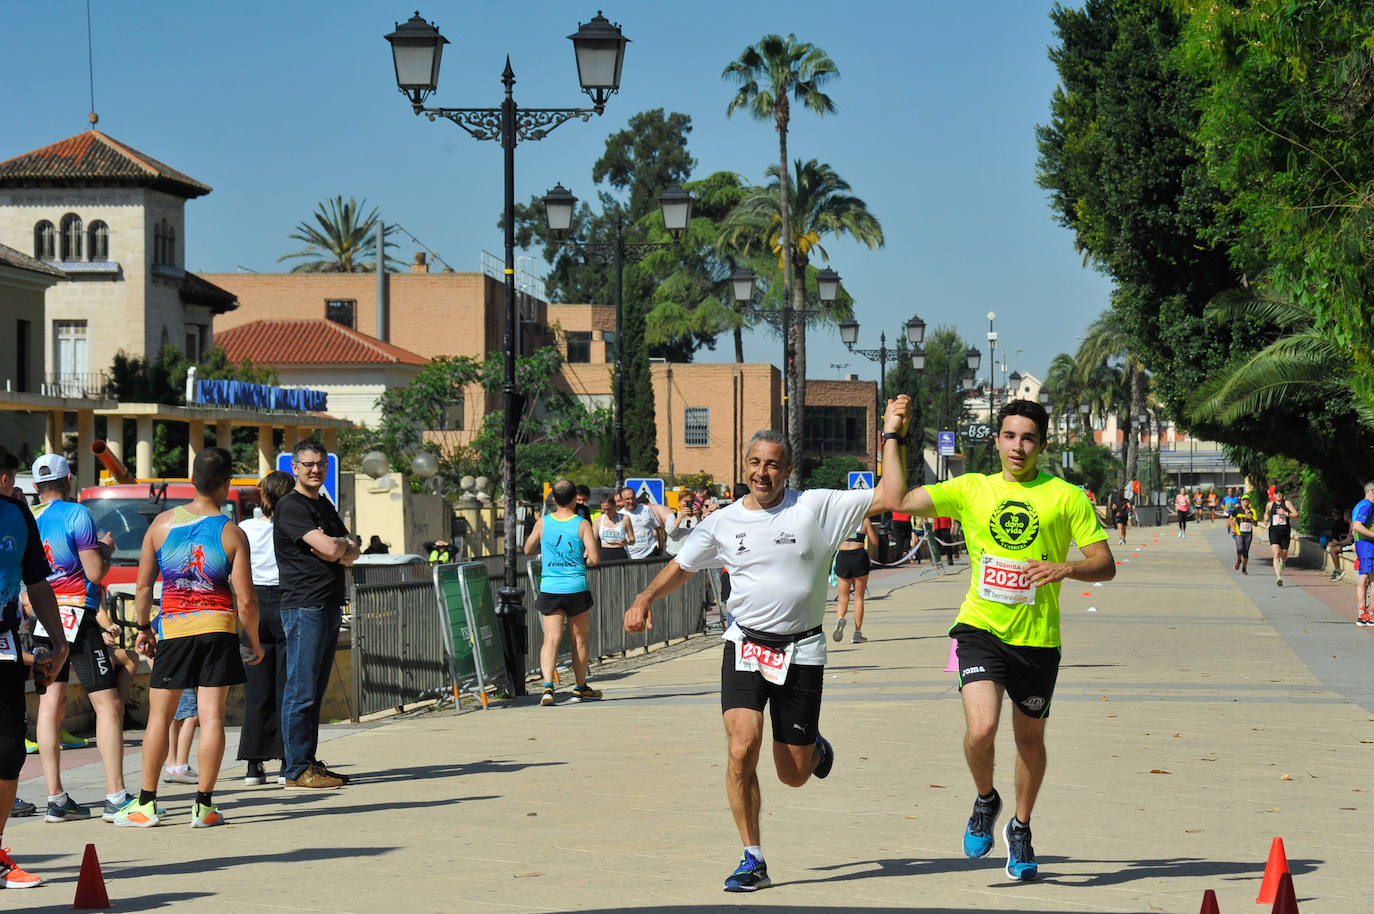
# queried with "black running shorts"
point(569, 604)
point(190, 661)
point(1027, 673)
point(89, 655)
point(1280, 536)
point(13, 722)
point(794, 706)
point(852, 563)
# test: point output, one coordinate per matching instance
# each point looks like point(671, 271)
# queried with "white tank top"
point(613, 535)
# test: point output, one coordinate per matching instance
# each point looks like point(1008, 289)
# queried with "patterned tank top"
point(196, 599)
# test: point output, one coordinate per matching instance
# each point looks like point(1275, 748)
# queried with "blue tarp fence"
point(261, 396)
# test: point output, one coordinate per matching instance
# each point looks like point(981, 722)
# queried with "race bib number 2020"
point(1004, 580)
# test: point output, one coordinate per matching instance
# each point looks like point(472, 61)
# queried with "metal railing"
point(398, 649)
point(93, 384)
point(398, 645)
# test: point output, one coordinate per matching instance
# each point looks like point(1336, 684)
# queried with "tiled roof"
point(92, 158)
point(318, 342)
point(12, 258)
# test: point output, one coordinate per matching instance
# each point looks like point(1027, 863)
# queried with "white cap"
point(50, 467)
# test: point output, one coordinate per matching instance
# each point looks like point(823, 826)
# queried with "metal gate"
point(398, 645)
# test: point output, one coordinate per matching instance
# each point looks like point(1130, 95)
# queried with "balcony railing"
point(93, 385)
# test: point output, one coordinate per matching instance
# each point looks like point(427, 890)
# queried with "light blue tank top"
point(563, 555)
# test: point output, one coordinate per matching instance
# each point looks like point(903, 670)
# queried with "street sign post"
point(861, 479)
point(648, 486)
point(946, 444)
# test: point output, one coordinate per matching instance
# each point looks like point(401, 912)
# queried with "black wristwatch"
point(889, 436)
point(145, 626)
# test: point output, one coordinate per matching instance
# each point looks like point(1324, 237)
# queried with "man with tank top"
point(613, 531)
point(80, 560)
point(200, 555)
point(566, 548)
point(1278, 515)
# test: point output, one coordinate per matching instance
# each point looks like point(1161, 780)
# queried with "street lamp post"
point(972, 358)
point(416, 49)
point(915, 334)
point(742, 283)
point(992, 366)
point(676, 205)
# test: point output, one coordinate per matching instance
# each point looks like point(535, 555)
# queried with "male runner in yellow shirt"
point(1017, 524)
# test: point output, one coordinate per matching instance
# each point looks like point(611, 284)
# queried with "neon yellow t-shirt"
point(1031, 521)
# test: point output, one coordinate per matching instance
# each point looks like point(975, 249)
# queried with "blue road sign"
point(946, 444)
point(651, 487)
point(331, 475)
point(861, 479)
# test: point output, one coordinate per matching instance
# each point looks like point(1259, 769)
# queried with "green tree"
point(645, 158)
point(833, 472)
point(342, 240)
point(770, 75)
point(1108, 342)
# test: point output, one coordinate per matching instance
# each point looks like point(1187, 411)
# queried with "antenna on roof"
point(90, 66)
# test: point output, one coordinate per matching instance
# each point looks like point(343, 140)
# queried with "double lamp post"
point(599, 47)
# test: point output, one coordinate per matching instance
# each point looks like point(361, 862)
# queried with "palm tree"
point(770, 75)
point(1109, 341)
point(821, 206)
point(1304, 358)
point(343, 242)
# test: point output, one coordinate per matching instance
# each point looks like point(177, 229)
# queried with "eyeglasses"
point(311, 464)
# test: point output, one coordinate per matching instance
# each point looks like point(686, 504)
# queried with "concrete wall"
point(385, 507)
point(353, 390)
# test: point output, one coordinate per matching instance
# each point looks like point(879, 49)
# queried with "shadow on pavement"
point(745, 907)
point(146, 903)
point(214, 864)
point(486, 766)
point(283, 815)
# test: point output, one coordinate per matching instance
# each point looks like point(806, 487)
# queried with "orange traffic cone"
point(953, 665)
point(1209, 903)
point(1287, 901)
point(90, 886)
point(1276, 867)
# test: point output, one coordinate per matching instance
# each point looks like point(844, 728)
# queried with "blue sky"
point(278, 106)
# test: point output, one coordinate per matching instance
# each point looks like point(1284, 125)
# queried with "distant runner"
point(1241, 522)
point(1362, 525)
point(1278, 515)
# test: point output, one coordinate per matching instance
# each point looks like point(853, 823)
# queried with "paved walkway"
point(1198, 715)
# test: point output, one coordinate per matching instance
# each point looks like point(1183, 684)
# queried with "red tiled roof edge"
point(309, 342)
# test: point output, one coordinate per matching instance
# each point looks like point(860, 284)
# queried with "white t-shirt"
point(779, 557)
point(677, 533)
point(261, 551)
point(643, 522)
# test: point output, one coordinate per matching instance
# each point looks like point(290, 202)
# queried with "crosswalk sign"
point(330, 488)
point(861, 479)
point(653, 488)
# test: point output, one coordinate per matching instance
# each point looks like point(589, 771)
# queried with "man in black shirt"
point(312, 548)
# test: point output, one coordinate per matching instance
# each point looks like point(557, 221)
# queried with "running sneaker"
point(63, 812)
point(30, 747)
point(23, 808)
point(1237, 565)
point(321, 766)
point(256, 775)
point(827, 757)
point(978, 833)
point(206, 816)
point(12, 877)
point(134, 814)
point(750, 876)
point(1364, 618)
point(67, 741)
point(585, 692)
point(1021, 863)
point(112, 807)
point(189, 776)
point(1338, 575)
point(859, 637)
point(1278, 582)
point(1245, 571)
point(550, 697)
point(839, 629)
point(313, 778)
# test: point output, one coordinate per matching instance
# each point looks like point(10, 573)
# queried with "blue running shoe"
point(978, 833)
point(827, 759)
point(750, 876)
point(1021, 863)
point(23, 808)
point(65, 811)
point(112, 808)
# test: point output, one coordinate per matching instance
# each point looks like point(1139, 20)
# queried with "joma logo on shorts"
point(972, 669)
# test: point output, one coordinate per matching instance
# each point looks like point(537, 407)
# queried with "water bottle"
point(41, 681)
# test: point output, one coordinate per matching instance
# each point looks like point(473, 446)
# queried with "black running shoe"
point(827, 759)
point(750, 876)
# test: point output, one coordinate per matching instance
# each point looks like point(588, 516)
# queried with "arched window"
point(171, 240)
point(159, 241)
point(45, 241)
point(71, 237)
point(99, 241)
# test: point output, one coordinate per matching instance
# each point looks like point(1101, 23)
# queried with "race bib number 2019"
point(771, 664)
point(1004, 580)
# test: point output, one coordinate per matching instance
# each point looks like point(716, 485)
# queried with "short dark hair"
point(60, 486)
point(212, 468)
point(584, 491)
point(273, 486)
point(1028, 409)
point(308, 444)
point(8, 462)
point(563, 493)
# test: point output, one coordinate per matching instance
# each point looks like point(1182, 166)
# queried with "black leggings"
point(1183, 521)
